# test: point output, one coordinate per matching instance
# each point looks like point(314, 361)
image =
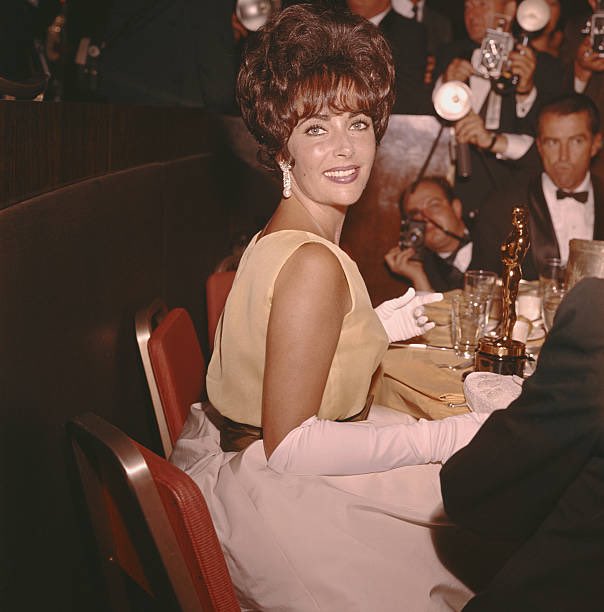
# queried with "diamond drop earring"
point(287, 178)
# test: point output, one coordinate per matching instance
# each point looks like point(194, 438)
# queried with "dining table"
point(423, 376)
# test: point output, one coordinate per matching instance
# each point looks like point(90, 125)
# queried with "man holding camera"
point(584, 55)
point(435, 248)
point(565, 201)
point(500, 127)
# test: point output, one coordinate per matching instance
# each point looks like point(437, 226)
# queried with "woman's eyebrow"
point(321, 116)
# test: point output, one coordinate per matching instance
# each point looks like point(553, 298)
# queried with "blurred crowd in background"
point(184, 52)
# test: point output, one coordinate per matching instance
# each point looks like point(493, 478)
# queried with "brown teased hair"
point(569, 104)
point(308, 57)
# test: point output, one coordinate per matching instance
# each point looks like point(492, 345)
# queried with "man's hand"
point(523, 63)
point(458, 70)
point(586, 61)
point(400, 262)
point(471, 129)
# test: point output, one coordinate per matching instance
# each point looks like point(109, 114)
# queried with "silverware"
point(462, 365)
point(416, 345)
point(454, 405)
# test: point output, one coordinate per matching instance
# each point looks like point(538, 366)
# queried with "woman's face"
point(333, 154)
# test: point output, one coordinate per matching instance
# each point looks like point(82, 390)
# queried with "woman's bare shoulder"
point(313, 276)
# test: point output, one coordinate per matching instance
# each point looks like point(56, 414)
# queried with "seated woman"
point(314, 510)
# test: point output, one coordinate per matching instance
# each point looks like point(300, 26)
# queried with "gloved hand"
point(319, 446)
point(404, 317)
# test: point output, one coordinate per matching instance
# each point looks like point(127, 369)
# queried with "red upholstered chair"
point(174, 366)
point(153, 528)
point(218, 286)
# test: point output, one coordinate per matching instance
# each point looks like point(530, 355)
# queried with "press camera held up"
point(493, 62)
point(594, 28)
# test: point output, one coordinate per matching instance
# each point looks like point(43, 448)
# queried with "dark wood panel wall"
point(46, 146)
point(150, 203)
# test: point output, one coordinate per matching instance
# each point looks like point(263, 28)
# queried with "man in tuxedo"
point(447, 250)
point(564, 201)
point(500, 127)
point(438, 27)
point(585, 67)
point(533, 475)
point(408, 42)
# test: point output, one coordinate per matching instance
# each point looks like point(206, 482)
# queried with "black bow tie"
point(580, 196)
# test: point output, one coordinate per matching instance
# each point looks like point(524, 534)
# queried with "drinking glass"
point(467, 323)
point(552, 297)
point(480, 284)
point(552, 272)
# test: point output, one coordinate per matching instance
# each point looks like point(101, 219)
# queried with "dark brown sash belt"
point(237, 436)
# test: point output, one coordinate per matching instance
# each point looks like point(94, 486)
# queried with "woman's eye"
point(315, 130)
point(361, 124)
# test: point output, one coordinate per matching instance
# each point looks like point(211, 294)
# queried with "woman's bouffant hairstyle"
point(305, 59)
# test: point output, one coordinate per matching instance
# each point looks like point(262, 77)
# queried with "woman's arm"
point(310, 299)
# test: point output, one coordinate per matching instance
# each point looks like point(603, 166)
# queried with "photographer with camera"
point(509, 81)
point(584, 57)
point(584, 51)
point(435, 247)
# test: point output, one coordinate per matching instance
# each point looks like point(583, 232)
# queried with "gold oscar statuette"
point(503, 355)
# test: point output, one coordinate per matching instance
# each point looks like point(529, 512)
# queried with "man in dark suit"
point(438, 27)
point(501, 126)
point(585, 67)
point(407, 40)
point(447, 250)
point(533, 475)
point(565, 201)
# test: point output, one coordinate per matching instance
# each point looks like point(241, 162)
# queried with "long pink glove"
point(404, 317)
point(327, 448)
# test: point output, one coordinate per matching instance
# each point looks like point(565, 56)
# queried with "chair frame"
point(101, 448)
point(144, 325)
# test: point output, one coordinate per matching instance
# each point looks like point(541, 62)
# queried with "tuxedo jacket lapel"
point(598, 208)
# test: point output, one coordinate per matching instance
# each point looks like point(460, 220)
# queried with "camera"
point(413, 235)
point(494, 51)
point(493, 62)
point(595, 29)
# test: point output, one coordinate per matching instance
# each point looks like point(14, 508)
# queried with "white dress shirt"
point(571, 219)
point(462, 259)
point(405, 8)
point(376, 19)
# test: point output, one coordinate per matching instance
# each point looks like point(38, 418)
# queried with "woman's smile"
point(343, 175)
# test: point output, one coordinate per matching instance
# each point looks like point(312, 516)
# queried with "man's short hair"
point(440, 181)
point(569, 104)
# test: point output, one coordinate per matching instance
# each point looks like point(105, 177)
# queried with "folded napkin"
point(413, 384)
point(487, 392)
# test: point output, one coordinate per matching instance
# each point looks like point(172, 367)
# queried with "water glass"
point(552, 297)
point(467, 323)
point(481, 285)
point(552, 272)
point(479, 282)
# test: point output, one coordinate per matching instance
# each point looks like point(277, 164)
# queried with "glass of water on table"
point(480, 284)
point(552, 296)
